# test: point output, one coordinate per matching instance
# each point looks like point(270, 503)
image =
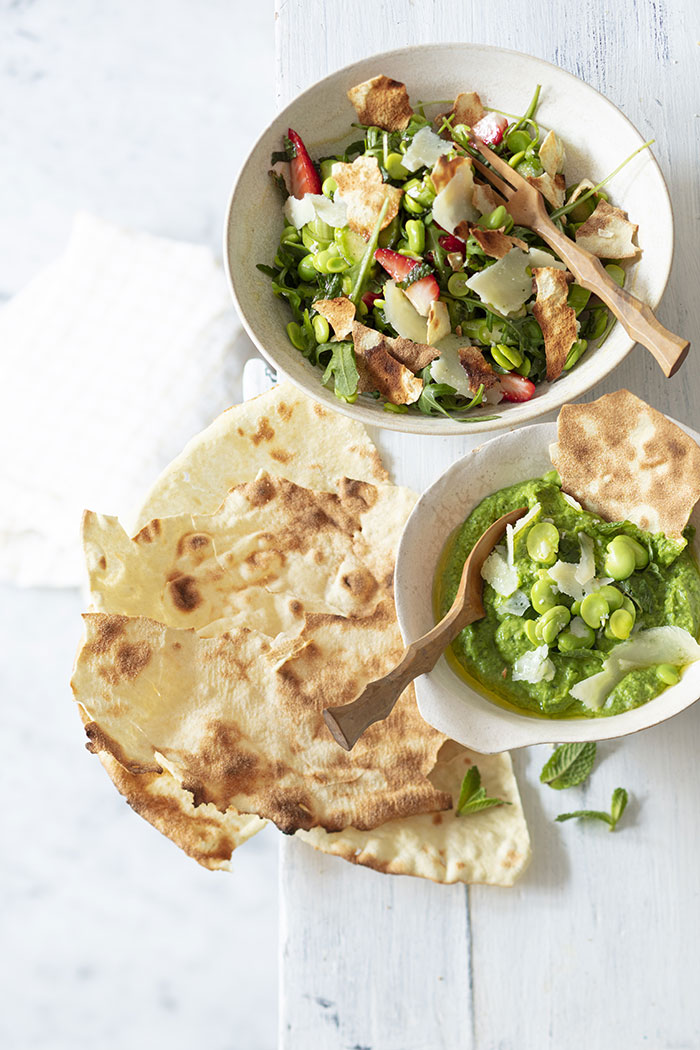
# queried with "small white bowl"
point(446, 701)
point(597, 137)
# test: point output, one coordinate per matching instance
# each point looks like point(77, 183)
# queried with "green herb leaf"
point(617, 808)
point(288, 153)
point(569, 765)
point(342, 368)
point(473, 797)
point(279, 183)
point(419, 271)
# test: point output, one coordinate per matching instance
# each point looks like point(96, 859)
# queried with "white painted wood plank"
point(597, 945)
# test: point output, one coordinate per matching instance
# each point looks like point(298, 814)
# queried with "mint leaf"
point(419, 271)
point(617, 808)
point(473, 797)
point(569, 765)
point(342, 368)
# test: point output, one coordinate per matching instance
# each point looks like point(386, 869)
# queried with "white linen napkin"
point(112, 358)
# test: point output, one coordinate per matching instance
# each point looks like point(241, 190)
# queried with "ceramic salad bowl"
point(597, 137)
point(445, 700)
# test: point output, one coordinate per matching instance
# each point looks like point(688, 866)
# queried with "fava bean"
point(395, 168)
point(594, 610)
point(577, 351)
point(306, 269)
point(457, 286)
point(617, 274)
point(290, 235)
point(542, 595)
point(508, 357)
point(668, 674)
point(579, 636)
point(493, 220)
point(321, 329)
point(620, 560)
point(578, 298)
point(621, 624)
point(552, 622)
point(613, 597)
point(543, 543)
point(329, 187)
point(530, 630)
point(415, 233)
point(295, 336)
point(518, 141)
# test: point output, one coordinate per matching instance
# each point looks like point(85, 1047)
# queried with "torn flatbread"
point(623, 460)
point(608, 233)
point(552, 154)
point(554, 316)
point(380, 370)
point(382, 102)
point(340, 313)
point(363, 191)
point(479, 371)
point(496, 243)
point(551, 187)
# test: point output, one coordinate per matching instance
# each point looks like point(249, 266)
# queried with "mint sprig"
point(473, 797)
point(569, 765)
point(617, 808)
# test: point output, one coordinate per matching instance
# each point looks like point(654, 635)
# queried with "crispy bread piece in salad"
point(554, 316)
point(382, 102)
point(484, 198)
point(361, 188)
point(479, 371)
point(467, 109)
point(551, 187)
point(340, 313)
point(552, 154)
point(496, 243)
point(494, 848)
point(608, 233)
point(380, 370)
point(237, 718)
point(622, 459)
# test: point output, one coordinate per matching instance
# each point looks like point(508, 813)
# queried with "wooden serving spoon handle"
point(638, 319)
point(348, 722)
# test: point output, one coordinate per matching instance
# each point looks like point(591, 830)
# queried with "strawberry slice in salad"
point(303, 174)
point(490, 129)
point(421, 293)
point(516, 388)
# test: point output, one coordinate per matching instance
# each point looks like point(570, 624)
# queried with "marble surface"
point(110, 936)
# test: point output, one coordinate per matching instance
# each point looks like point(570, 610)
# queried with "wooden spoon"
point(376, 701)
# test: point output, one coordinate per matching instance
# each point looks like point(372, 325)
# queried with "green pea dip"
point(666, 592)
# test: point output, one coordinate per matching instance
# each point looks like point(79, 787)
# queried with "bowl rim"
point(522, 413)
point(511, 728)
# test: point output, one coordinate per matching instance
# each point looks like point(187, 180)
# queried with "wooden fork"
point(348, 722)
point(526, 206)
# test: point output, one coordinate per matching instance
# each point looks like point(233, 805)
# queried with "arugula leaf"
point(288, 153)
point(473, 797)
point(342, 368)
point(279, 183)
point(617, 808)
point(419, 271)
point(569, 765)
point(330, 286)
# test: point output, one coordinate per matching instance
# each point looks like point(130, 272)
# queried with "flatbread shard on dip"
point(238, 718)
point(622, 459)
point(382, 102)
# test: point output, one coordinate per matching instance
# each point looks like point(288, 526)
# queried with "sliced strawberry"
point(452, 244)
point(305, 178)
point(516, 388)
point(396, 265)
point(369, 299)
point(422, 293)
point(490, 129)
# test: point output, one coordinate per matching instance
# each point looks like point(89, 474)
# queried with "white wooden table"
point(598, 946)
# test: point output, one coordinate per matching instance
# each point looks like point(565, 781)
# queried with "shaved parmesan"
point(402, 314)
point(586, 566)
point(499, 574)
point(510, 545)
point(658, 645)
point(447, 369)
point(507, 284)
point(453, 204)
point(517, 604)
point(425, 149)
point(315, 206)
point(570, 499)
point(527, 519)
point(563, 574)
point(534, 666)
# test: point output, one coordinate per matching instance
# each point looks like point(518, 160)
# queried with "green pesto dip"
point(666, 591)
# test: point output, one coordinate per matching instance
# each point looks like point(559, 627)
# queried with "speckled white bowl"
point(597, 136)
point(447, 701)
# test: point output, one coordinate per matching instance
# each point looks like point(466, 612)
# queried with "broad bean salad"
point(408, 282)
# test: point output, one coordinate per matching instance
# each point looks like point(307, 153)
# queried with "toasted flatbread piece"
point(551, 187)
point(608, 233)
point(484, 198)
point(496, 243)
point(579, 189)
point(382, 103)
point(467, 109)
point(479, 371)
point(554, 316)
point(361, 188)
point(282, 431)
point(238, 718)
point(552, 154)
point(380, 370)
point(622, 459)
point(340, 313)
point(491, 847)
point(323, 550)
